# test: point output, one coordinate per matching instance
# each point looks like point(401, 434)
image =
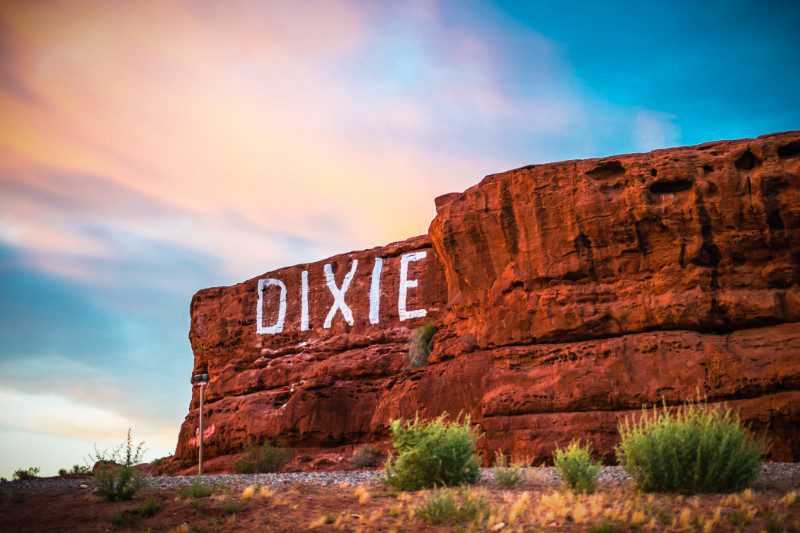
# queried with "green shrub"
point(452, 508)
point(506, 474)
point(232, 506)
point(117, 483)
point(433, 453)
point(149, 507)
point(695, 448)
point(197, 489)
point(262, 459)
point(420, 345)
point(576, 467)
point(32, 472)
point(77, 470)
point(115, 477)
point(367, 456)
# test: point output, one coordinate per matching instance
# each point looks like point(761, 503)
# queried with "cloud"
point(52, 432)
point(152, 149)
point(653, 130)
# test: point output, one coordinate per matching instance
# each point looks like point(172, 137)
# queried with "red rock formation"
point(566, 295)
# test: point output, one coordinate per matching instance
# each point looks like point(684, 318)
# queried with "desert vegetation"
point(21, 474)
point(420, 345)
point(439, 452)
point(695, 448)
point(576, 467)
point(115, 475)
point(690, 470)
point(508, 473)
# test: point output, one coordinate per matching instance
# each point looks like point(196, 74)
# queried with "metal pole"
point(200, 455)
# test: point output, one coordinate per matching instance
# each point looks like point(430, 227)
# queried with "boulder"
point(565, 296)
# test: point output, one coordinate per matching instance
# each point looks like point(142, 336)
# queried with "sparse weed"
point(232, 506)
point(451, 507)
point(197, 489)
point(117, 479)
point(604, 526)
point(249, 492)
point(149, 507)
point(362, 494)
point(696, 448)
point(262, 459)
point(506, 474)
point(576, 467)
point(432, 453)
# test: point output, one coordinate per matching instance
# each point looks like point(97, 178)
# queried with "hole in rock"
point(607, 169)
point(747, 161)
point(668, 187)
point(791, 149)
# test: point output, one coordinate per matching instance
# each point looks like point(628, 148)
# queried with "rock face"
point(565, 296)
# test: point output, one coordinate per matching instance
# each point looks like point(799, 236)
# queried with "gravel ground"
point(773, 475)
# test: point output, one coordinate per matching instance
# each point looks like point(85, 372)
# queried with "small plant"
point(115, 477)
point(506, 474)
point(262, 459)
point(77, 470)
point(232, 506)
point(197, 489)
point(367, 456)
point(576, 467)
point(695, 448)
point(32, 472)
point(149, 507)
point(433, 453)
point(420, 345)
point(605, 526)
point(452, 508)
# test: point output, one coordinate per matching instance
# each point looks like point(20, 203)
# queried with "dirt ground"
point(375, 507)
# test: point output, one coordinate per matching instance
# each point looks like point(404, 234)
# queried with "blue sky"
point(151, 149)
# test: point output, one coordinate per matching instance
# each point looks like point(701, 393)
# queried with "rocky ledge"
point(564, 296)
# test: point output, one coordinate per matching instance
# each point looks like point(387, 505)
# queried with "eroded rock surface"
point(565, 296)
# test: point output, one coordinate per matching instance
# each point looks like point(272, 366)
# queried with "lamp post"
point(202, 381)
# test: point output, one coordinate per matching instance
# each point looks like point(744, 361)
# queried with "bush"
point(262, 459)
point(420, 345)
point(434, 453)
point(507, 475)
point(148, 508)
point(450, 507)
point(197, 489)
point(695, 448)
point(367, 456)
point(576, 468)
point(77, 470)
point(32, 472)
point(115, 476)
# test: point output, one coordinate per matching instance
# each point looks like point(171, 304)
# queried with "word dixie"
point(338, 293)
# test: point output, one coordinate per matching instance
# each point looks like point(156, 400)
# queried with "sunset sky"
point(150, 149)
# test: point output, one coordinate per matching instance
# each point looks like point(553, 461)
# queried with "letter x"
point(338, 294)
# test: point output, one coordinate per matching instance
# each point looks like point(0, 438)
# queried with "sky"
point(150, 149)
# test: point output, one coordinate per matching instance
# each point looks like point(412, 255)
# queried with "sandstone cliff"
point(565, 295)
